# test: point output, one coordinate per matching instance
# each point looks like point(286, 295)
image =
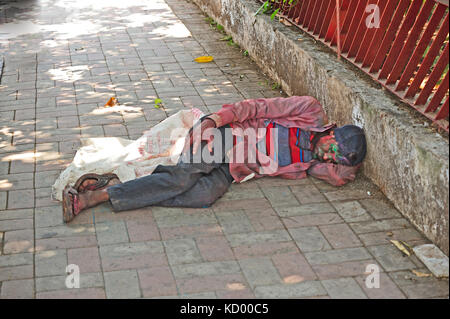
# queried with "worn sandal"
point(101, 182)
point(70, 209)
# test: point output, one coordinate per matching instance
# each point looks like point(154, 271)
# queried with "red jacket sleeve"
point(304, 109)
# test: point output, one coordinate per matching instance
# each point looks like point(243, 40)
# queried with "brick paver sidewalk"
point(270, 238)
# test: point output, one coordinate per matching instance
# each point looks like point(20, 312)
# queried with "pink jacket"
point(303, 112)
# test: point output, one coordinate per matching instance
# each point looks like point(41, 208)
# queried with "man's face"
point(327, 149)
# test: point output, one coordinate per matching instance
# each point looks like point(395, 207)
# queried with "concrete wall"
point(406, 159)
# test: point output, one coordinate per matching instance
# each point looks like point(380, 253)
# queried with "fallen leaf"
point(158, 103)
point(390, 234)
point(420, 274)
point(400, 246)
point(111, 102)
point(204, 59)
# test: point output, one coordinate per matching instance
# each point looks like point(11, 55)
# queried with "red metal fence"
point(402, 44)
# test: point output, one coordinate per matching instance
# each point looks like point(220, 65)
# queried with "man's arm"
point(296, 108)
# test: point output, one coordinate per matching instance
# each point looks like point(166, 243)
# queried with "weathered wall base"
point(406, 159)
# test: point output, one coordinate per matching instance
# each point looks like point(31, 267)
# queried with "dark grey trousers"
point(186, 184)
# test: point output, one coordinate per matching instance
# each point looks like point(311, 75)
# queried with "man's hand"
point(199, 134)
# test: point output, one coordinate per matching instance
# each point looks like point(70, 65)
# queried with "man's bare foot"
point(74, 203)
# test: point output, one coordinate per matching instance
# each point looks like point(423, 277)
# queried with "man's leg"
point(164, 183)
point(167, 186)
point(205, 191)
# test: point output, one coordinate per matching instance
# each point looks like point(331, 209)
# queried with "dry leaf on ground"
point(420, 274)
point(204, 59)
point(401, 247)
point(111, 102)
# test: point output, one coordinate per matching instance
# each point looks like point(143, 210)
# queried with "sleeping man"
point(284, 137)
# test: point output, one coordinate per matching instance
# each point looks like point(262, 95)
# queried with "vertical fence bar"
point(389, 36)
point(359, 12)
point(408, 47)
point(379, 32)
point(327, 19)
point(421, 47)
point(400, 38)
point(318, 23)
point(438, 95)
point(434, 78)
point(429, 59)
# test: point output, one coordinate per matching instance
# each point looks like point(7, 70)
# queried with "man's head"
point(344, 145)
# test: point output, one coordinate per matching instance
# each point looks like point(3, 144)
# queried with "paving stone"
point(16, 214)
point(433, 258)
point(306, 209)
point(426, 290)
point(380, 225)
point(205, 269)
point(352, 211)
point(142, 230)
point(123, 284)
point(387, 289)
point(50, 263)
point(17, 289)
point(264, 220)
point(343, 269)
point(379, 208)
point(200, 295)
point(260, 271)
point(264, 249)
point(309, 239)
point(343, 288)
point(18, 241)
point(390, 258)
point(307, 195)
point(190, 231)
point(241, 293)
point(16, 259)
point(182, 251)
point(64, 231)
point(299, 290)
point(132, 255)
point(215, 248)
point(21, 199)
point(87, 259)
point(274, 236)
point(211, 283)
point(15, 224)
point(280, 196)
point(16, 272)
point(407, 235)
point(87, 280)
point(293, 268)
point(157, 281)
point(234, 222)
point(111, 232)
point(337, 256)
point(340, 236)
point(312, 220)
point(85, 293)
point(346, 194)
point(3, 196)
point(65, 242)
point(48, 216)
point(176, 217)
point(407, 277)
